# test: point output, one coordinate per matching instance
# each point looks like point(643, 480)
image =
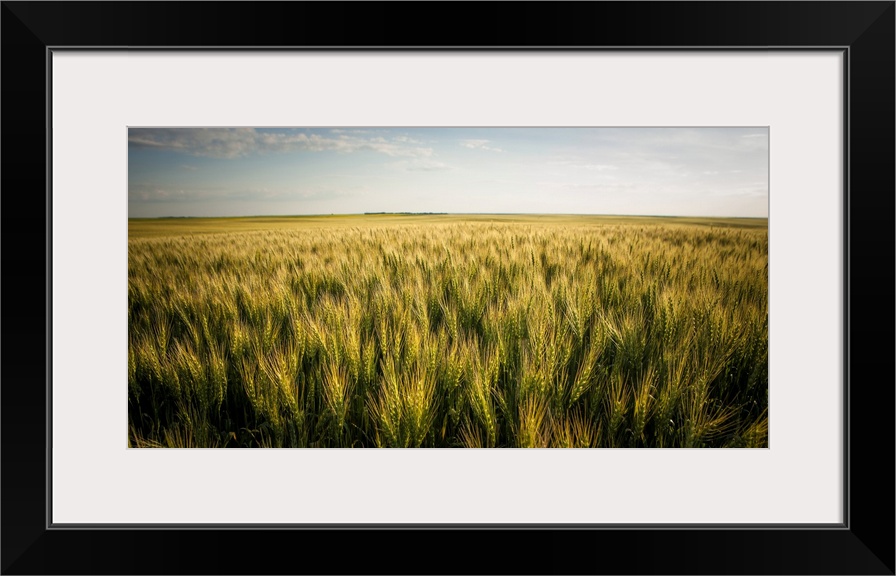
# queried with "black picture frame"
point(864, 544)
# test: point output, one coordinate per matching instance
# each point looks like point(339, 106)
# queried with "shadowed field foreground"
point(448, 331)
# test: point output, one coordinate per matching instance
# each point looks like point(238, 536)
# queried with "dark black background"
point(864, 545)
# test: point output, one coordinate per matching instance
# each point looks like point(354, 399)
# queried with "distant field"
point(448, 331)
point(139, 228)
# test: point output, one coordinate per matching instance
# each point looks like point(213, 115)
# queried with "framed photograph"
point(301, 242)
point(448, 287)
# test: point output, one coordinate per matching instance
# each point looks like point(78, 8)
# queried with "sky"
point(280, 171)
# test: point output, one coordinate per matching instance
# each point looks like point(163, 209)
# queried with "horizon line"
point(324, 214)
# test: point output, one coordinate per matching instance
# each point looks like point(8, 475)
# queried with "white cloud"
point(351, 131)
point(425, 165)
point(406, 140)
point(154, 193)
point(148, 192)
point(578, 162)
point(236, 142)
point(479, 145)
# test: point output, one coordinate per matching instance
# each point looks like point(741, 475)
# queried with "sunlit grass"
point(448, 331)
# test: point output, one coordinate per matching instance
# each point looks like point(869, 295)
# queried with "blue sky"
point(278, 171)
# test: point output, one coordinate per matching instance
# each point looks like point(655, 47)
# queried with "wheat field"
point(448, 331)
